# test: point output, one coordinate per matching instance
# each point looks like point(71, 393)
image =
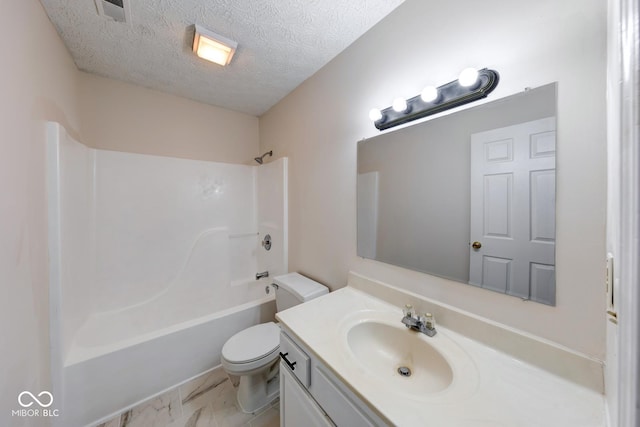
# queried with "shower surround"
point(152, 268)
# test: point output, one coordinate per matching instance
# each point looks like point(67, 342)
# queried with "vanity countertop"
point(502, 391)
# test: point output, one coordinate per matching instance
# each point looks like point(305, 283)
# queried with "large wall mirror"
point(469, 196)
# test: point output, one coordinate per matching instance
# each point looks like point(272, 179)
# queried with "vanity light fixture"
point(471, 85)
point(399, 105)
point(375, 114)
point(213, 47)
point(429, 94)
point(468, 77)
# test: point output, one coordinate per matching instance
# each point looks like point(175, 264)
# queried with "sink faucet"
point(425, 324)
point(261, 275)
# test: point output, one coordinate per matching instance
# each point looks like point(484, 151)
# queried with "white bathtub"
point(119, 359)
point(152, 261)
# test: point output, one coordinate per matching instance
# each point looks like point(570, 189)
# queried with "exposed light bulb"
point(429, 94)
point(468, 77)
point(399, 105)
point(375, 114)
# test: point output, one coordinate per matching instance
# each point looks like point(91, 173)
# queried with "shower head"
point(260, 159)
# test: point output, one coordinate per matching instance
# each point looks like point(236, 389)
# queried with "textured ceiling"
point(280, 44)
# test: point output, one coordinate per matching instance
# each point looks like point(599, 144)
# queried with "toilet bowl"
point(252, 354)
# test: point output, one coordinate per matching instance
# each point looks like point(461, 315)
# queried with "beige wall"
point(530, 44)
point(39, 82)
point(122, 117)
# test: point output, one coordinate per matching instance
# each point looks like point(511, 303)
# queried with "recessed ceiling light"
point(213, 47)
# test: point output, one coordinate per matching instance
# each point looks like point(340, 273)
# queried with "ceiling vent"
point(117, 10)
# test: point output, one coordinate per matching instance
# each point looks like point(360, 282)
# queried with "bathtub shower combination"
point(153, 264)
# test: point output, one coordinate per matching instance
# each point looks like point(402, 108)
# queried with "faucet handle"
point(429, 321)
point(408, 311)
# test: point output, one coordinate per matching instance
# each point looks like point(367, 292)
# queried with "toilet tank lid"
point(301, 287)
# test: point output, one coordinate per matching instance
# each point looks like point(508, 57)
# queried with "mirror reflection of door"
point(512, 230)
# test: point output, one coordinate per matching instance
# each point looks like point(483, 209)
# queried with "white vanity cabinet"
point(297, 407)
point(311, 395)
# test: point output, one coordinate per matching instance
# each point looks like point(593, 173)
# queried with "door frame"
point(623, 230)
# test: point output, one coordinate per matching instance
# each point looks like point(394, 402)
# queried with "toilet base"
point(258, 391)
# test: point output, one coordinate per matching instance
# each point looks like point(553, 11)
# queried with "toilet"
point(252, 354)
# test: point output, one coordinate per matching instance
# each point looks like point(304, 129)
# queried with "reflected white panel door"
point(513, 210)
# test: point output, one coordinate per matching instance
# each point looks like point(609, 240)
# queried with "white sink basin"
point(391, 352)
point(377, 344)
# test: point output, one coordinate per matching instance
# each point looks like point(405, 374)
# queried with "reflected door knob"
point(476, 245)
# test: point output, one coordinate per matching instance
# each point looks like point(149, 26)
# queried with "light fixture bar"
point(450, 95)
point(213, 47)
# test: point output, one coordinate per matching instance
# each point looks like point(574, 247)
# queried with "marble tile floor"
point(207, 401)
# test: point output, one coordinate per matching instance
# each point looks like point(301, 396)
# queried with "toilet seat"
point(252, 344)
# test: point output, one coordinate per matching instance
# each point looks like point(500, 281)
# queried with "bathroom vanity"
point(345, 359)
point(311, 395)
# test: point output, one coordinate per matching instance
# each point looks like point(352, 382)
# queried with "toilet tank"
point(293, 289)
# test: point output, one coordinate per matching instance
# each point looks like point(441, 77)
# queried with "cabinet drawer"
point(296, 360)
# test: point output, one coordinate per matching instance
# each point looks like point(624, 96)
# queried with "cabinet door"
point(297, 407)
point(338, 403)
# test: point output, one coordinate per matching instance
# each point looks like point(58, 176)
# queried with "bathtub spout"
point(261, 275)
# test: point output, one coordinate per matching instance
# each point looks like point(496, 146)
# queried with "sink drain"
point(404, 371)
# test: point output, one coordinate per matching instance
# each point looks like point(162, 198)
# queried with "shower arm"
point(260, 159)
